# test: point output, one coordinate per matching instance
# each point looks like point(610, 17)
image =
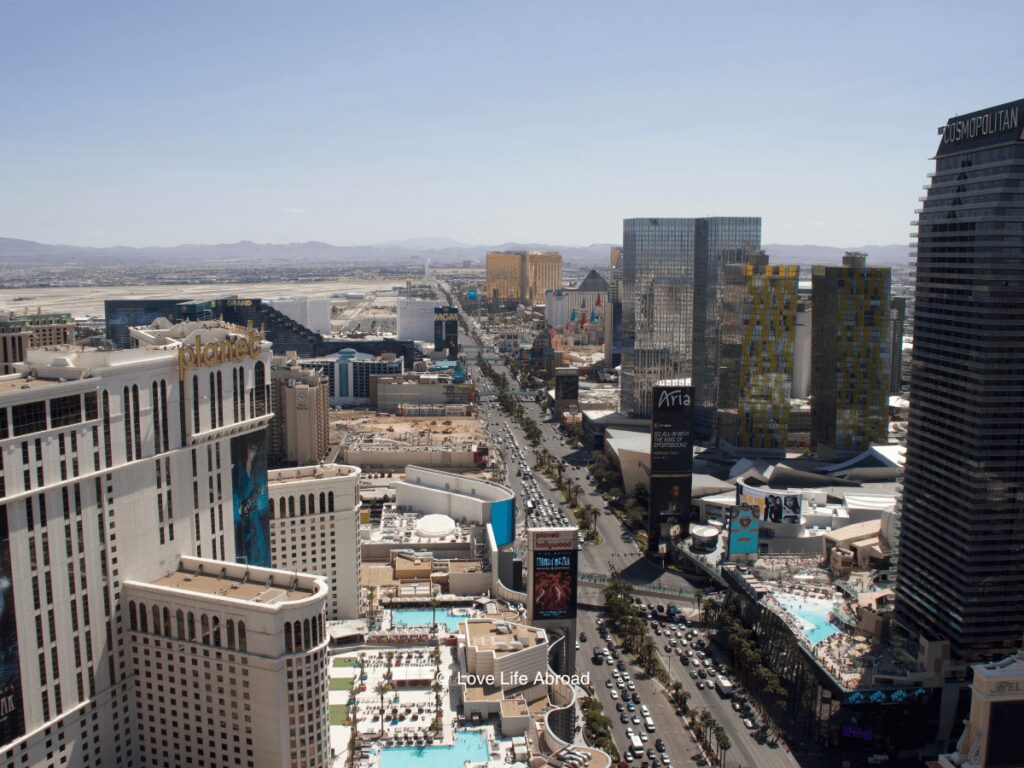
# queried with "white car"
point(614, 694)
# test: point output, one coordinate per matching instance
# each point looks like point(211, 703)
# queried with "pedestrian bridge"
point(639, 587)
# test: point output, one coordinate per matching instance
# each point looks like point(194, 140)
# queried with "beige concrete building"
point(523, 276)
point(398, 394)
point(230, 666)
point(114, 463)
point(15, 339)
point(314, 528)
point(19, 333)
point(299, 432)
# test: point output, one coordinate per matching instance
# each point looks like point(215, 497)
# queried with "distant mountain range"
point(26, 253)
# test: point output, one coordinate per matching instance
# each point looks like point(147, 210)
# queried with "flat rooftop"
point(256, 591)
point(503, 637)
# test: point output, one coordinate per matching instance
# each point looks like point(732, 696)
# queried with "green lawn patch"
point(341, 683)
point(339, 713)
point(345, 661)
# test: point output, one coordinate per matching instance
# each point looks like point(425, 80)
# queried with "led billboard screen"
point(671, 460)
point(553, 573)
point(775, 506)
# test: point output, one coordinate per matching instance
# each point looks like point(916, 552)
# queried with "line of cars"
point(633, 713)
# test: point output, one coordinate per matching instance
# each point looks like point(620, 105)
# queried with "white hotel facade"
point(113, 466)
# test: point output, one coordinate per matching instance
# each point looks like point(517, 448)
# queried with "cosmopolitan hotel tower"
point(137, 625)
point(962, 539)
point(672, 299)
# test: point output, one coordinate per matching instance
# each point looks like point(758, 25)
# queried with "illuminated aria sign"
point(212, 353)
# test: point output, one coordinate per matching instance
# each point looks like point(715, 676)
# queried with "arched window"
point(179, 619)
point(126, 410)
point(231, 633)
point(272, 505)
point(137, 421)
point(288, 646)
point(259, 388)
point(195, 403)
point(306, 636)
point(213, 401)
point(163, 415)
point(323, 501)
point(156, 620)
point(234, 393)
point(291, 506)
point(156, 418)
point(241, 392)
point(107, 450)
point(143, 620)
point(243, 644)
point(220, 399)
point(191, 626)
point(330, 501)
point(133, 619)
point(312, 504)
point(167, 622)
point(216, 630)
point(204, 626)
point(302, 505)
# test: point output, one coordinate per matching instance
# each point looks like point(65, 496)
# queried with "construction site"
point(379, 441)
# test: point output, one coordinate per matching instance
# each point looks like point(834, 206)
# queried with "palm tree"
point(698, 599)
point(724, 745)
point(433, 613)
point(381, 688)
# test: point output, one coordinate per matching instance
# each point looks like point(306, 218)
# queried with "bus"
point(637, 745)
point(725, 687)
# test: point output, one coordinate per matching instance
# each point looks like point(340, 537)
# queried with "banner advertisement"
point(744, 528)
point(775, 506)
point(12, 711)
point(251, 499)
point(554, 584)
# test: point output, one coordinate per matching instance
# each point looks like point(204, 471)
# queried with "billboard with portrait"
point(744, 530)
point(12, 711)
point(553, 573)
point(775, 506)
point(671, 459)
point(251, 499)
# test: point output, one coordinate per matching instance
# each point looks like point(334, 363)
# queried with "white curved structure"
point(435, 526)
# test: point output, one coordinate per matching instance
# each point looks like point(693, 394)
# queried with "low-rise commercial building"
point(414, 392)
point(299, 432)
point(466, 499)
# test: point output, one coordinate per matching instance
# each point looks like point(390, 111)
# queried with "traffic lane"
point(677, 742)
point(745, 750)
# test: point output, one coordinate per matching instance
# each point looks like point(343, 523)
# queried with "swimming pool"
point(422, 617)
point(813, 615)
point(469, 745)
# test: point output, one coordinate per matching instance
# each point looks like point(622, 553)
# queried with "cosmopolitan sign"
point(213, 353)
point(984, 128)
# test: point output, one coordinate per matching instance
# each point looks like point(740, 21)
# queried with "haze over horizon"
point(158, 124)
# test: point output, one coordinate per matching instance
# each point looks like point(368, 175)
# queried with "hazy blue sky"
point(143, 122)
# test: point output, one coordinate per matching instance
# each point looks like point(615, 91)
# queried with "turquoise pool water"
point(421, 617)
point(469, 745)
point(813, 612)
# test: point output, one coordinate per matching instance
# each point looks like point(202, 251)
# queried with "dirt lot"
point(413, 430)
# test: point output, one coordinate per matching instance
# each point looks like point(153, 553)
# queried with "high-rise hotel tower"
point(127, 478)
point(672, 300)
point(961, 563)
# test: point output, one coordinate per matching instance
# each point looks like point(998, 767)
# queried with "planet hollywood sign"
point(198, 354)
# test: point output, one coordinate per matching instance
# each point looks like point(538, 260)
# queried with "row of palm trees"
point(624, 617)
point(710, 735)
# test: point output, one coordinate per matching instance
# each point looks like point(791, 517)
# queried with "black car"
point(624, 718)
point(659, 745)
point(635, 698)
point(652, 754)
point(583, 637)
point(619, 706)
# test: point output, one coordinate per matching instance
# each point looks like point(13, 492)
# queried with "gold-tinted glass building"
point(758, 332)
point(523, 276)
point(850, 336)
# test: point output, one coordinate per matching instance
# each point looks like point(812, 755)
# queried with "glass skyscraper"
point(672, 283)
point(961, 563)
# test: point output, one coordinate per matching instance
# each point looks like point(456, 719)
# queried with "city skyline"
point(158, 125)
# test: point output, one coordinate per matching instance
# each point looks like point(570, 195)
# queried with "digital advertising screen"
point(251, 499)
point(671, 459)
point(744, 530)
point(775, 506)
point(554, 584)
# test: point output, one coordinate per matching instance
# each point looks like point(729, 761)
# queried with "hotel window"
point(65, 411)
point(28, 418)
